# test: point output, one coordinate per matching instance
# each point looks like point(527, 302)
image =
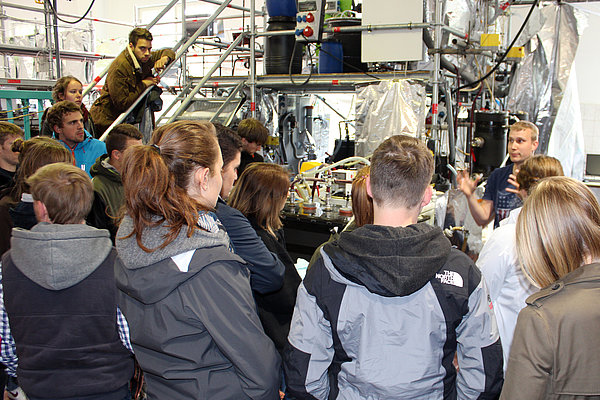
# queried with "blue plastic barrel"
point(331, 58)
point(281, 8)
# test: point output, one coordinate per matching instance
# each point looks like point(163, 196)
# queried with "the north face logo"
point(450, 278)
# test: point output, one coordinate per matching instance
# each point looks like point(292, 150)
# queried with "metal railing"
point(180, 52)
point(185, 103)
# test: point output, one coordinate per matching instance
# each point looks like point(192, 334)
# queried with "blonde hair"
point(526, 126)
point(558, 229)
point(362, 204)
point(260, 193)
point(536, 168)
point(65, 190)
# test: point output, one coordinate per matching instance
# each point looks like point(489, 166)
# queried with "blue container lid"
point(281, 8)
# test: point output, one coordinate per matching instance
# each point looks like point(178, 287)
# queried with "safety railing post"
point(252, 81)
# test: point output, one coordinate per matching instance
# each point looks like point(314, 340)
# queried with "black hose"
point(505, 53)
point(451, 131)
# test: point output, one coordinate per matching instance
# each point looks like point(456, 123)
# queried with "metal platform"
point(345, 82)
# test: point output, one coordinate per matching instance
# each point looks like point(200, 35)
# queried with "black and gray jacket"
point(192, 318)
point(60, 298)
point(382, 312)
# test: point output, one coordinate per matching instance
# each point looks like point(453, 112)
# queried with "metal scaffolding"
point(191, 86)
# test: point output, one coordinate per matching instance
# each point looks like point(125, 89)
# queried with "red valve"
point(308, 31)
point(310, 17)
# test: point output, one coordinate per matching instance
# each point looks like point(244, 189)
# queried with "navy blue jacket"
point(266, 270)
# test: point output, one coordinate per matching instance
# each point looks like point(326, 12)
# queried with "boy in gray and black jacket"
point(66, 338)
point(384, 308)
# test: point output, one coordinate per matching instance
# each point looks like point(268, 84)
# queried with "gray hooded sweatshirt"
point(380, 315)
point(59, 256)
point(192, 317)
point(65, 326)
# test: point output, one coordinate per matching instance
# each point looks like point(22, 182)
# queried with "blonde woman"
point(556, 348)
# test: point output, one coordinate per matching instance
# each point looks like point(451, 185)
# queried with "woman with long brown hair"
point(555, 352)
point(186, 296)
point(16, 204)
point(260, 194)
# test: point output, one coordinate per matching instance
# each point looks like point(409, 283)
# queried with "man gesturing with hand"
point(500, 195)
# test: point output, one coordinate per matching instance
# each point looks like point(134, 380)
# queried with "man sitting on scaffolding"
point(128, 77)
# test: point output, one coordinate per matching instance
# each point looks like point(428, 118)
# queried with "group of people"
point(200, 290)
point(181, 287)
point(159, 253)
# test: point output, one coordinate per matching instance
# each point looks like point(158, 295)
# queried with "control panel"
point(309, 20)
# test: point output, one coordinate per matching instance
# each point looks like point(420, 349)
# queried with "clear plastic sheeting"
point(566, 140)
point(457, 222)
point(539, 84)
point(388, 108)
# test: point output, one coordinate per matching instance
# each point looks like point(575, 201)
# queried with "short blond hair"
point(65, 190)
point(558, 229)
point(526, 126)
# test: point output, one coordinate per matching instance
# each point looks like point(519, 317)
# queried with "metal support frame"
point(56, 43)
point(39, 10)
point(252, 82)
point(435, 75)
point(36, 51)
point(180, 96)
point(205, 79)
point(183, 35)
point(48, 29)
point(363, 28)
point(232, 6)
point(225, 45)
point(229, 100)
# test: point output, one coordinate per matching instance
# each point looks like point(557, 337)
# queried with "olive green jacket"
point(107, 182)
point(555, 352)
point(122, 87)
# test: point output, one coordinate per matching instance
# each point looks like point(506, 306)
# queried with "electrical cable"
point(490, 72)
point(292, 62)
point(349, 65)
point(311, 65)
point(55, 12)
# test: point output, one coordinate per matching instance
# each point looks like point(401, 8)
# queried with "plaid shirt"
point(8, 349)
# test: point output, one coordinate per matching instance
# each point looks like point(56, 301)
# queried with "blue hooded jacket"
point(86, 152)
